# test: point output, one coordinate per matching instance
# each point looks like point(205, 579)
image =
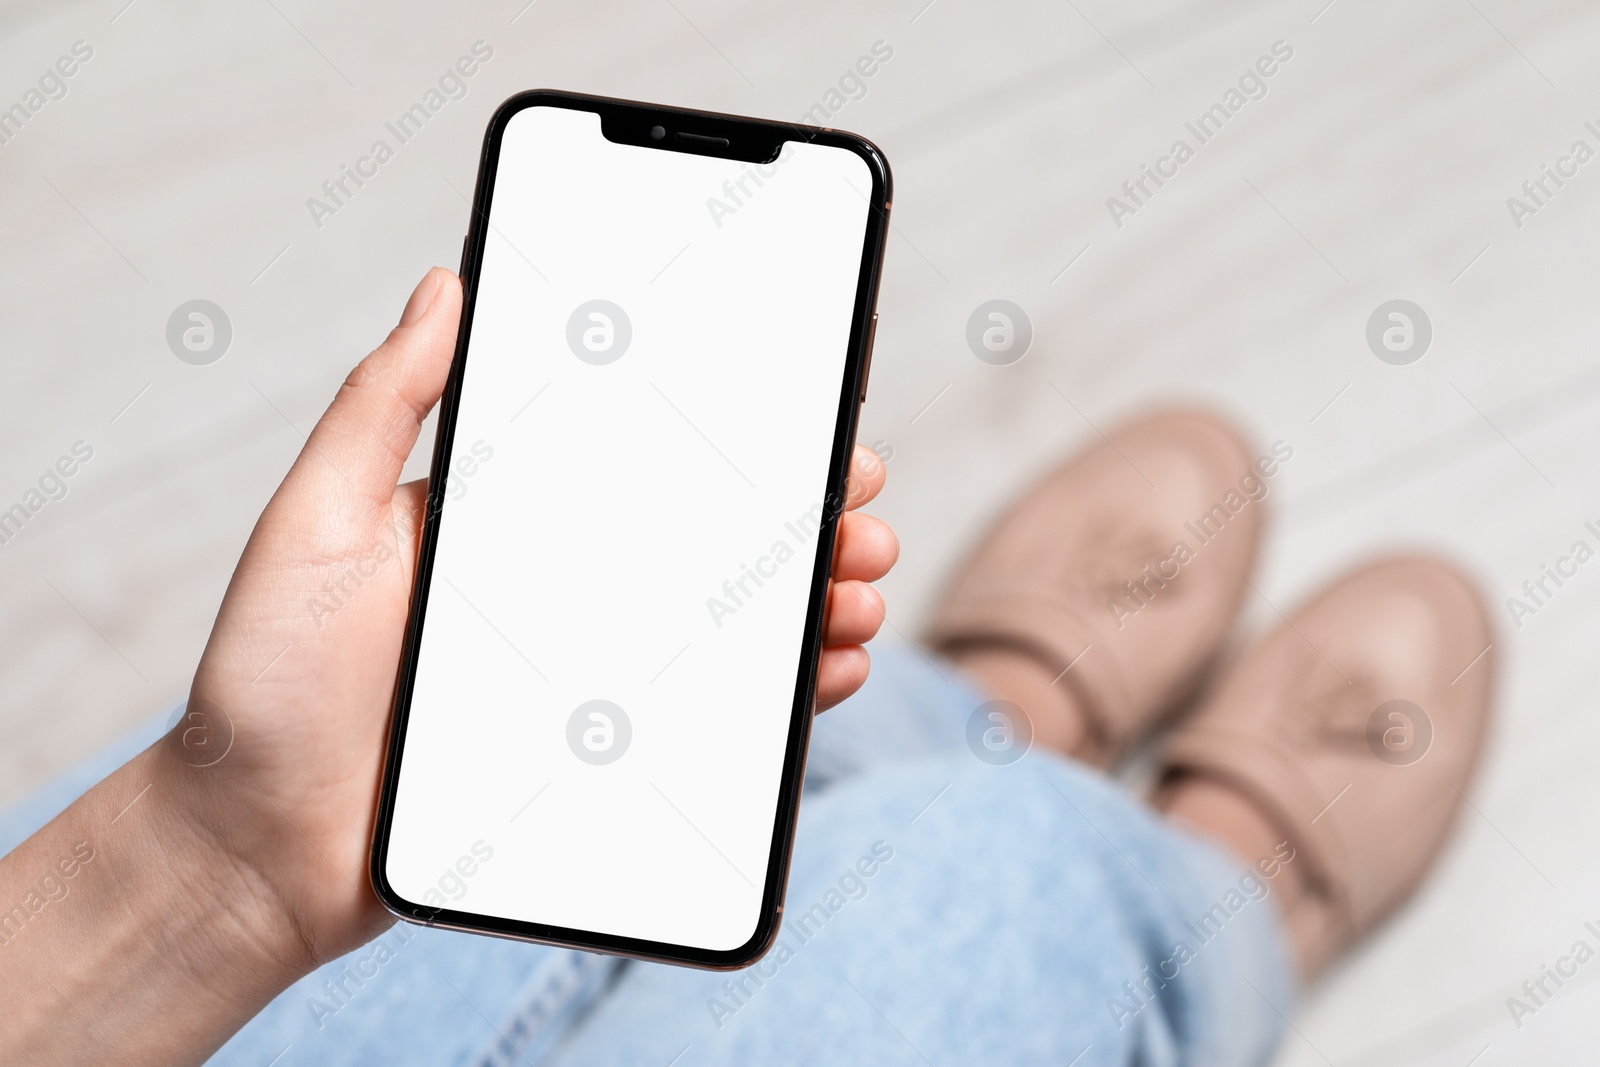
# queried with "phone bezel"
point(748, 139)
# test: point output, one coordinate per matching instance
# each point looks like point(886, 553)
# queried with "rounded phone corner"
point(395, 904)
point(752, 951)
point(876, 161)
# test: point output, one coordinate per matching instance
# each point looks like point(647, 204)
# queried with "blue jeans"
point(941, 910)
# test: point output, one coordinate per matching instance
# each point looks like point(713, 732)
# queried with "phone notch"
point(692, 132)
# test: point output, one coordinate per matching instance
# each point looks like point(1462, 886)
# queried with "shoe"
point(1121, 573)
point(1355, 728)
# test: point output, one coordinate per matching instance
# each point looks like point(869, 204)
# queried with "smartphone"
point(607, 682)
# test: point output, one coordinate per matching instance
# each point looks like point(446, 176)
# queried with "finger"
point(410, 505)
point(865, 549)
point(840, 673)
point(867, 473)
point(364, 437)
point(855, 611)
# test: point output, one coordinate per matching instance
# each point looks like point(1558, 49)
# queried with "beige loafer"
point(1122, 571)
point(1355, 726)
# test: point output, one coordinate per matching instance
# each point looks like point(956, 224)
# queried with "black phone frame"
point(702, 133)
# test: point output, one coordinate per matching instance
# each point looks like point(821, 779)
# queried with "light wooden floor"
point(1377, 166)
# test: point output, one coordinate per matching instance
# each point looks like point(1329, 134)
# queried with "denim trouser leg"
point(943, 910)
point(940, 910)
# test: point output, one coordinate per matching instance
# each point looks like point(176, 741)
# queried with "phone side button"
point(462, 273)
point(866, 363)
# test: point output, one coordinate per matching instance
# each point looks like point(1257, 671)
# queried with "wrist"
point(126, 907)
point(270, 842)
point(207, 837)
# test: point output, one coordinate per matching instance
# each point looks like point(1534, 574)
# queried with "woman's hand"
point(245, 856)
point(303, 656)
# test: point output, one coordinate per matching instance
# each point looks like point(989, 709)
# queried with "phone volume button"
point(866, 362)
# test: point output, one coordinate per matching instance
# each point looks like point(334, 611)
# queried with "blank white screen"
point(584, 558)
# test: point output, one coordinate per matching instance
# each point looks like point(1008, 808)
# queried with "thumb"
point(357, 448)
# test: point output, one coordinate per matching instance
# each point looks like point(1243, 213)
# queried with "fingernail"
point(421, 298)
